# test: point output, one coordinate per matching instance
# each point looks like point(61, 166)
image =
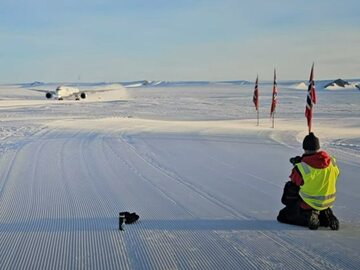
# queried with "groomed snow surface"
point(189, 159)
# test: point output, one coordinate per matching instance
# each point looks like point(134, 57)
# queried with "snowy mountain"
point(32, 84)
point(340, 84)
point(301, 86)
point(337, 83)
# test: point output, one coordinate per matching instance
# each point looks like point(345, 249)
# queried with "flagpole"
point(273, 102)
point(312, 80)
point(310, 99)
point(256, 98)
point(273, 117)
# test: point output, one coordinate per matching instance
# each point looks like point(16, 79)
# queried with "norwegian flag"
point(310, 99)
point(274, 96)
point(256, 94)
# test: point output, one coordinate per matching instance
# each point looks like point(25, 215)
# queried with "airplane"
point(63, 91)
point(67, 92)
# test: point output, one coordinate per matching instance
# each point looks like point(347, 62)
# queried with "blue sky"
point(115, 40)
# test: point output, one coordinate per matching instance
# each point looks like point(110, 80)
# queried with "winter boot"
point(314, 222)
point(323, 219)
point(331, 220)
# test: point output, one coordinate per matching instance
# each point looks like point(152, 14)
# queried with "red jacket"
point(318, 160)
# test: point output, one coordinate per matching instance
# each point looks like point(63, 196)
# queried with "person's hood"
point(318, 160)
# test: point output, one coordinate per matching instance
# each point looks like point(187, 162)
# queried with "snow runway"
point(64, 188)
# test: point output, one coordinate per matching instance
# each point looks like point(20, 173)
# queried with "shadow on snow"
point(108, 224)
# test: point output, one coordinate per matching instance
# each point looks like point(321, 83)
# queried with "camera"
point(295, 160)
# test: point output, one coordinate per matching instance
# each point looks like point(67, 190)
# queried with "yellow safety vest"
point(319, 186)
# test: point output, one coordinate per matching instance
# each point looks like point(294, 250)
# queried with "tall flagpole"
point(310, 99)
point(256, 98)
point(274, 99)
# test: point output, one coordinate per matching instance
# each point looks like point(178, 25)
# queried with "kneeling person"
point(310, 194)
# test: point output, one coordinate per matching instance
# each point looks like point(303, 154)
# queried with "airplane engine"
point(48, 95)
point(83, 95)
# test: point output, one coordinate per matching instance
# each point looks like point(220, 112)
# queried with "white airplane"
point(67, 92)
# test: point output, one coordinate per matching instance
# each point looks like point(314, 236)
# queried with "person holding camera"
point(310, 194)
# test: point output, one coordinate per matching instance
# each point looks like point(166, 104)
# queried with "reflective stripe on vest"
point(318, 189)
point(305, 167)
point(320, 198)
point(314, 201)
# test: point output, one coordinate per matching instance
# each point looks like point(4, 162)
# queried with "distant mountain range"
point(337, 84)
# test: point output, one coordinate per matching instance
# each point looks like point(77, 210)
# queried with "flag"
point(310, 99)
point(256, 94)
point(274, 96)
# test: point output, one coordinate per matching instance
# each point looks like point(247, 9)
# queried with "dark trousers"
point(292, 213)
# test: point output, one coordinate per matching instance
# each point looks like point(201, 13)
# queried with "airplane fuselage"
point(65, 91)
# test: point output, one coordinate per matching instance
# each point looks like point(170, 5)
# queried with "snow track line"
point(9, 169)
point(11, 165)
point(189, 185)
point(245, 173)
point(259, 248)
point(128, 166)
point(263, 180)
point(33, 177)
point(68, 193)
point(245, 259)
point(110, 182)
point(18, 243)
point(87, 169)
point(350, 157)
point(144, 178)
point(303, 256)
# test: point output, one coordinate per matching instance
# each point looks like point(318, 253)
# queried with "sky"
point(126, 40)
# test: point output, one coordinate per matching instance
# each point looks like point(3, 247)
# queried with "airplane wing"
point(49, 94)
point(41, 90)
